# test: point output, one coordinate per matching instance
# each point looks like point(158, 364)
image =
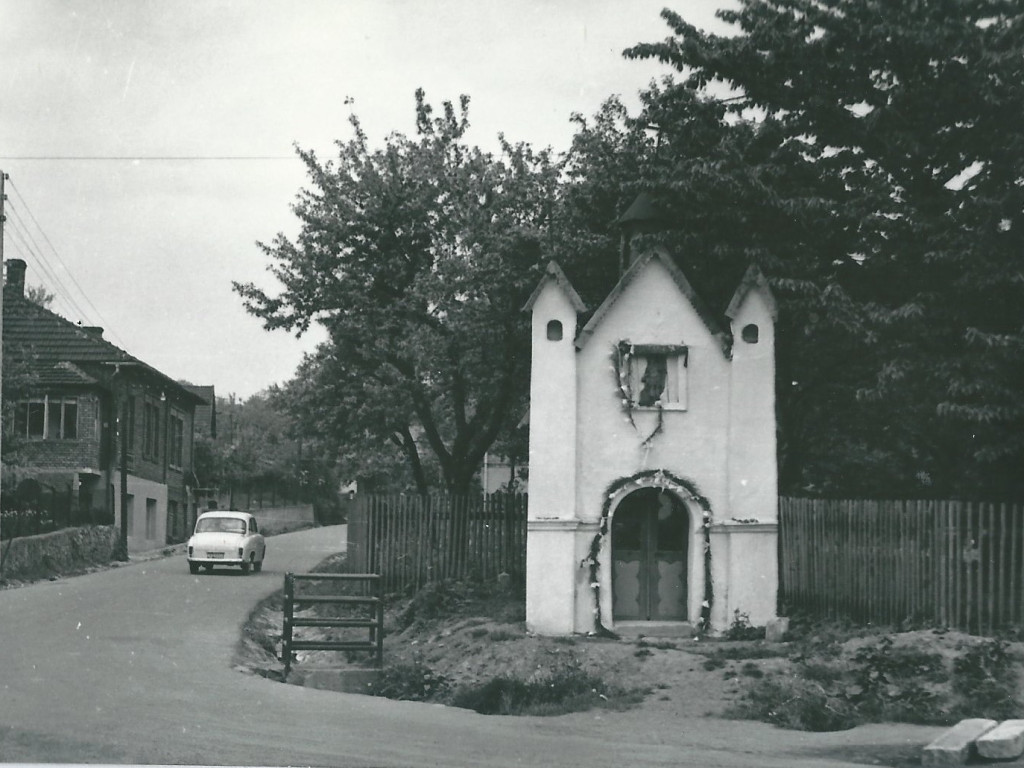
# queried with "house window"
point(129, 511)
point(750, 334)
point(176, 434)
point(150, 431)
point(554, 330)
point(150, 518)
point(131, 425)
point(657, 376)
point(47, 418)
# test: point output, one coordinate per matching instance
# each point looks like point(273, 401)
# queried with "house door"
point(650, 533)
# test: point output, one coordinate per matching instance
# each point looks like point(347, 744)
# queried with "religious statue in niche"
point(652, 382)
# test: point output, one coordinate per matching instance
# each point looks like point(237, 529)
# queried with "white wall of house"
point(147, 518)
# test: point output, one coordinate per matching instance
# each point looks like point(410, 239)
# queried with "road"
point(134, 665)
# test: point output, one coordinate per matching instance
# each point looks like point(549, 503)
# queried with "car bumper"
point(203, 560)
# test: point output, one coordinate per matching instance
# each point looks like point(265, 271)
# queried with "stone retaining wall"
point(54, 554)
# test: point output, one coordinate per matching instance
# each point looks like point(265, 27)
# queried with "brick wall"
point(82, 453)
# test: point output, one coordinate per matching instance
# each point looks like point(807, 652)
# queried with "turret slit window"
point(657, 376)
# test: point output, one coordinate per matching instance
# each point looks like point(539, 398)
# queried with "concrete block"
point(956, 745)
point(1004, 742)
point(775, 630)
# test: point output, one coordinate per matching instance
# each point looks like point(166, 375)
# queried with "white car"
point(230, 538)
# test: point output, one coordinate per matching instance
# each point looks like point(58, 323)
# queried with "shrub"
point(985, 682)
point(409, 682)
point(796, 703)
point(567, 688)
point(742, 629)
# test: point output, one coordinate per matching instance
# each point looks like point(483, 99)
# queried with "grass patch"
point(882, 682)
point(502, 635)
point(410, 682)
point(743, 652)
point(558, 691)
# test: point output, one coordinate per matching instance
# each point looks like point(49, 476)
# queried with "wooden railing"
point(932, 563)
point(372, 619)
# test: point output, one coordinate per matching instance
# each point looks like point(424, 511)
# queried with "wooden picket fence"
point(412, 540)
point(926, 563)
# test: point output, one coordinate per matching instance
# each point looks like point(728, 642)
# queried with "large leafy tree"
point(886, 166)
point(416, 258)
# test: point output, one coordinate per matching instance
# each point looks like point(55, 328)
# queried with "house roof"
point(555, 273)
point(59, 352)
point(660, 255)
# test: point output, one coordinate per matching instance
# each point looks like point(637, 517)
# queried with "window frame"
point(54, 411)
point(176, 437)
point(677, 358)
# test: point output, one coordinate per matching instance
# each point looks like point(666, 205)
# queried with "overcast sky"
point(147, 248)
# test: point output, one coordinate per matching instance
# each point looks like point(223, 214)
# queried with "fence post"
point(286, 634)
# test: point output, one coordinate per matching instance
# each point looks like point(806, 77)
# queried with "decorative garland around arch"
point(689, 492)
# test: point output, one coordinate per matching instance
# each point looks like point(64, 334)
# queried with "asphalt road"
point(133, 665)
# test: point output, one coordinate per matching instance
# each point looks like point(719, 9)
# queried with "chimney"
point(93, 330)
point(16, 276)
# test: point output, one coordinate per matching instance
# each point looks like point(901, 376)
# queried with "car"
point(226, 538)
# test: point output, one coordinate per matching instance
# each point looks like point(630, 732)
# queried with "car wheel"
point(193, 568)
point(257, 566)
point(246, 564)
point(209, 568)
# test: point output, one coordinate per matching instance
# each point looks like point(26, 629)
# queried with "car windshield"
point(220, 525)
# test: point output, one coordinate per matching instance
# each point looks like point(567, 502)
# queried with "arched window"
point(554, 330)
point(750, 334)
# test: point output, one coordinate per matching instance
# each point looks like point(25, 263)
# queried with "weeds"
point(742, 629)
point(410, 682)
point(567, 688)
point(882, 682)
point(984, 682)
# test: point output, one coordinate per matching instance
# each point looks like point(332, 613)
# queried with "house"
point(653, 475)
point(79, 390)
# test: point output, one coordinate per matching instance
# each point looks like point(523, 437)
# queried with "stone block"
point(775, 630)
point(1004, 742)
point(955, 746)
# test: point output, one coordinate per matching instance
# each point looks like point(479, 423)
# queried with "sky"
point(136, 229)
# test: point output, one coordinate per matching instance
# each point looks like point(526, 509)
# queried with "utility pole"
point(3, 218)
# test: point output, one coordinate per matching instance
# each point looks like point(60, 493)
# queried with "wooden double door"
point(650, 539)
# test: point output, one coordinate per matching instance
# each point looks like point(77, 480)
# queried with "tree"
point(416, 258)
point(900, 124)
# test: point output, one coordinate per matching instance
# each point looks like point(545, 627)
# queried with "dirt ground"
point(468, 640)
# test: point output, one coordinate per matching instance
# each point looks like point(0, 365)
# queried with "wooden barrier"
point(373, 620)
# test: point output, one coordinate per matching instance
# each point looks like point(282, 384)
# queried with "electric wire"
point(21, 230)
point(172, 158)
point(67, 271)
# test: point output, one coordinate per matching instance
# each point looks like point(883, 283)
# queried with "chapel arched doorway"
point(650, 539)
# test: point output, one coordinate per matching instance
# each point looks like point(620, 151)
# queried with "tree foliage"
point(882, 186)
point(416, 257)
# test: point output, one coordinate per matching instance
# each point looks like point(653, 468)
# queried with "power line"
point(175, 158)
point(20, 232)
point(59, 286)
